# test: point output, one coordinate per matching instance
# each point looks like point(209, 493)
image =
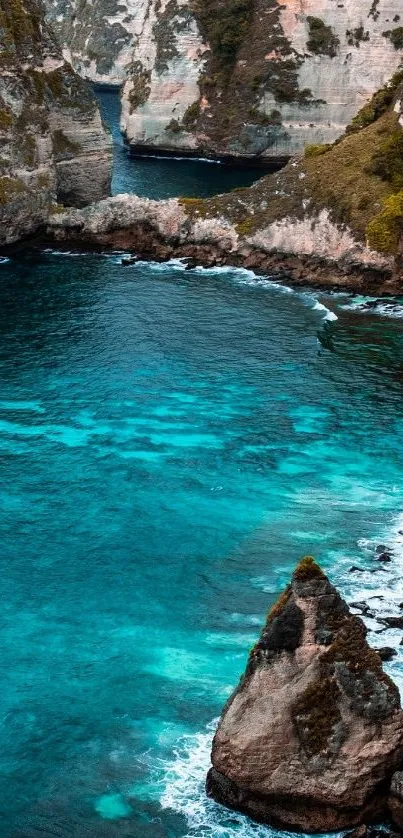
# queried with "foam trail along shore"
point(241, 276)
point(390, 307)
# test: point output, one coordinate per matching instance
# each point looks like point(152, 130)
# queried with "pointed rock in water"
point(312, 735)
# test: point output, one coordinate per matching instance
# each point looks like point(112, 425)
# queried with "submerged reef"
point(312, 738)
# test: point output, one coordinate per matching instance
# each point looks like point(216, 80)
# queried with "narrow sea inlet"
point(171, 443)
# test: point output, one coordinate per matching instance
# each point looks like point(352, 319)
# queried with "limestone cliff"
point(53, 144)
point(311, 737)
point(236, 77)
point(332, 217)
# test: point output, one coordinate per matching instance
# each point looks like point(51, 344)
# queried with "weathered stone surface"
point(310, 738)
point(373, 832)
point(395, 800)
point(53, 144)
point(262, 77)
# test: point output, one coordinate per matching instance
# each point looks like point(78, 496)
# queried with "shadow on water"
point(164, 177)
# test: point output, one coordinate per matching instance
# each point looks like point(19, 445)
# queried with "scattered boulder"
point(310, 738)
point(386, 653)
point(384, 557)
point(363, 607)
point(392, 622)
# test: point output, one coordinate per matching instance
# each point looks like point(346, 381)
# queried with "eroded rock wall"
point(244, 78)
point(333, 217)
point(53, 144)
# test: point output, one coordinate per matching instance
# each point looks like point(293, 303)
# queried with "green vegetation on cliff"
point(321, 39)
point(241, 34)
point(378, 105)
point(358, 180)
point(224, 25)
point(10, 188)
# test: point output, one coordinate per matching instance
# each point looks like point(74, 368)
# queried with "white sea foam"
point(392, 307)
point(328, 313)
point(241, 276)
point(331, 316)
point(186, 159)
point(184, 792)
point(382, 591)
point(4, 260)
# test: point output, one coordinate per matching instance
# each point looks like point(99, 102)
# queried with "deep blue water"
point(171, 443)
point(168, 178)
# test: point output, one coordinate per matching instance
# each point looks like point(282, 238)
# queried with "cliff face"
point(53, 143)
point(334, 216)
point(247, 78)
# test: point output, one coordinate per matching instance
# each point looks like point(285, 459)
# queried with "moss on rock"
point(385, 230)
point(307, 569)
point(317, 150)
point(316, 716)
point(10, 188)
point(378, 105)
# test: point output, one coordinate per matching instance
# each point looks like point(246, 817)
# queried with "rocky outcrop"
point(53, 144)
point(312, 735)
point(332, 218)
point(313, 251)
point(247, 78)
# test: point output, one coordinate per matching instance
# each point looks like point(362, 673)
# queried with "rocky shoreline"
point(162, 230)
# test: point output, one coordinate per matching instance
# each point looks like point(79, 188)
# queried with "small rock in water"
point(363, 607)
point(386, 653)
point(355, 569)
point(383, 557)
point(392, 622)
point(382, 548)
point(190, 264)
point(129, 260)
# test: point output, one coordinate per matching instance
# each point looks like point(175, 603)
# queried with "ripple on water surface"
point(171, 442)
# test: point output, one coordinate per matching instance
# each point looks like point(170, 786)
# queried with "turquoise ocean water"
point(171, 442)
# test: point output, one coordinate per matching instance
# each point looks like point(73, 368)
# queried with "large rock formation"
point(53, 143)
point(333, 217)
point(312, 735)
point(244, 78)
